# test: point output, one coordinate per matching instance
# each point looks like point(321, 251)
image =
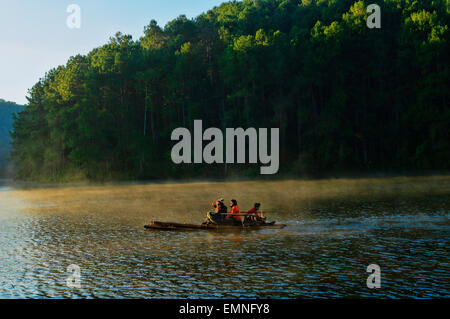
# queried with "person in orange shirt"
point(235, 211)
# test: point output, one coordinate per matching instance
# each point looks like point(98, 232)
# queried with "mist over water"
point(336, 228)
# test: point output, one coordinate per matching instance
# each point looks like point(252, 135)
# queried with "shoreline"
point(29, 185)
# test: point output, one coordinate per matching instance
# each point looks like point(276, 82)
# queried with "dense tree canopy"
point(7, 109)
point(345, 97)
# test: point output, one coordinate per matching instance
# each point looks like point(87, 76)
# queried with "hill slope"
point(345, 97)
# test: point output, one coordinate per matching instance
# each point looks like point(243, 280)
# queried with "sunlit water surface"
point(336, 228)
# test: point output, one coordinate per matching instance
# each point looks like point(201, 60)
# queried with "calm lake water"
point(336, 228)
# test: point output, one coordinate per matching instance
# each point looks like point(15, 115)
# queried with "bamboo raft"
point(155, 225)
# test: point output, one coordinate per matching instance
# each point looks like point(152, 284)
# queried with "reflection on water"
point(335, 230)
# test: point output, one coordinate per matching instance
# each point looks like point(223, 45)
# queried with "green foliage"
point(7, 112)
point(345, 97)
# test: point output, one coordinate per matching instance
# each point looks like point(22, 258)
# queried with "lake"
point(335, 229)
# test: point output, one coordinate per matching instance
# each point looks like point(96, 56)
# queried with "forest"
point(7, 109)
point(346, 98)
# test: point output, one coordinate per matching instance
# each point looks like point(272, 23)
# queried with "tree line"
point(345, 97)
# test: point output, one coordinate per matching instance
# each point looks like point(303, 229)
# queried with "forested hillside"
point(6, 124)
point(345, 97)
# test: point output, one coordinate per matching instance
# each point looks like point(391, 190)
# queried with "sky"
point(34, 36)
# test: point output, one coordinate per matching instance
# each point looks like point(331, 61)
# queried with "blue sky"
point(35, 38)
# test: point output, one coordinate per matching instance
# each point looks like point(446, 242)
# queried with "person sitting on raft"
point(219, 206)
point(235, 211)
point(255, 214)
point(220, 211)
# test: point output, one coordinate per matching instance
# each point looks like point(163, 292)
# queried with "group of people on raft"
point(236, 216)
